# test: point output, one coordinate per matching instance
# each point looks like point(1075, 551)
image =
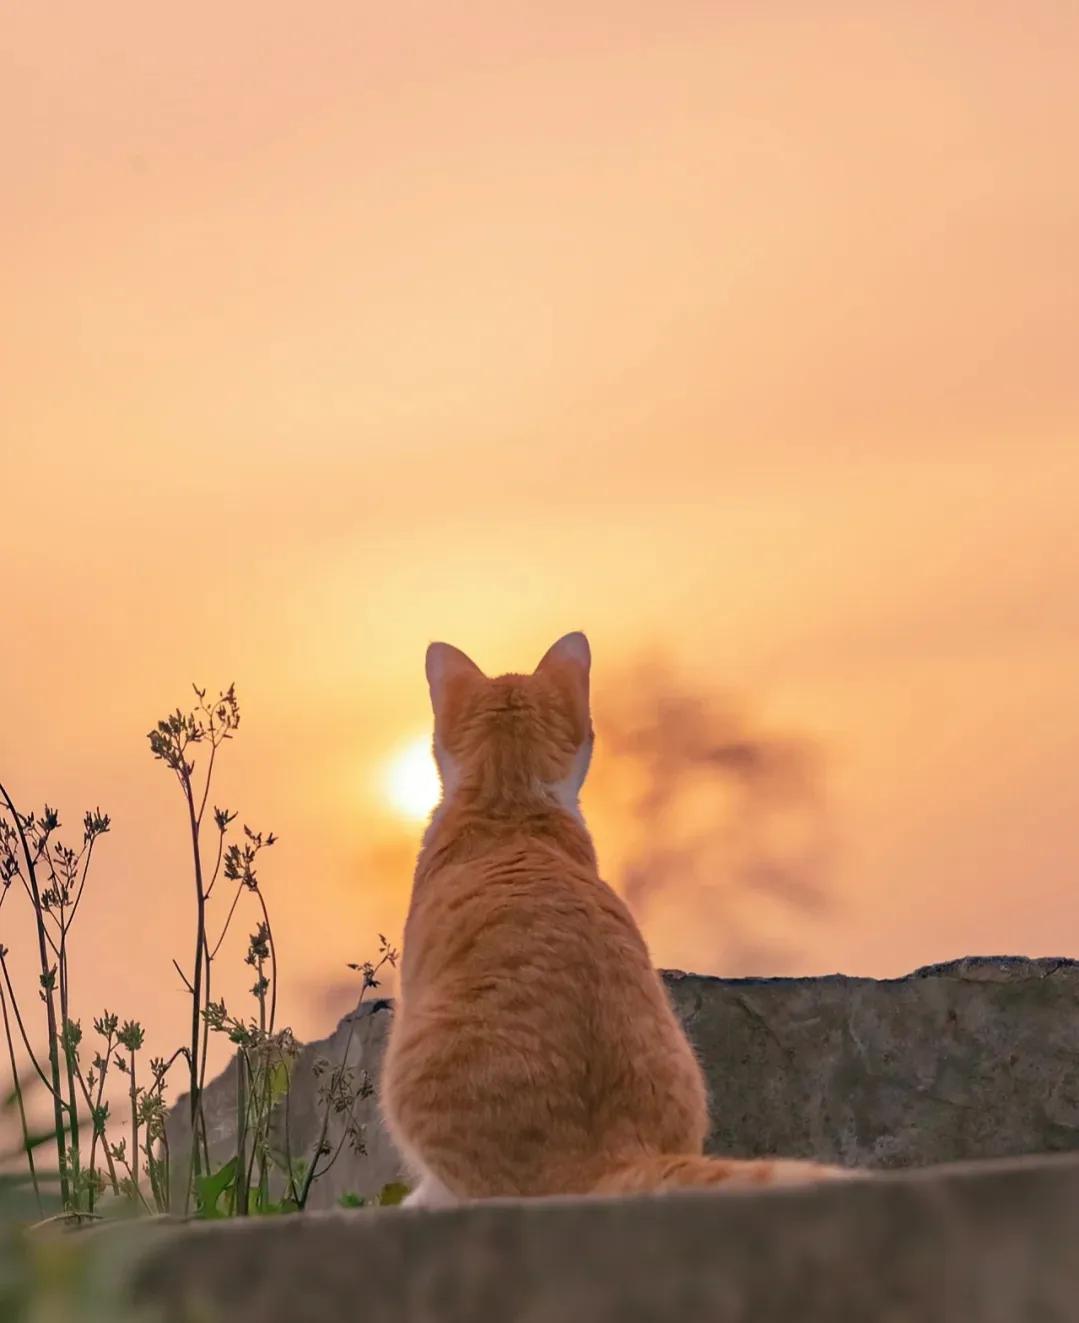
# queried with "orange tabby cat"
point(534, 1050)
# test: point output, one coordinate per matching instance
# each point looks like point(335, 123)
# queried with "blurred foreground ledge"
point(990, 1242)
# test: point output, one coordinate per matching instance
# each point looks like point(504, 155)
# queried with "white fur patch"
point(447, 769)
point(430, 1193)
point(567, 792)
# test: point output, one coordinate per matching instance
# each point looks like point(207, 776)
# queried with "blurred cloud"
point(718, 820)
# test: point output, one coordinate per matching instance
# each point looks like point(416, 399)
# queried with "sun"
point(411, 781)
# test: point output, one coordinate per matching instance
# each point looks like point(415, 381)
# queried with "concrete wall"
point(978, 1058)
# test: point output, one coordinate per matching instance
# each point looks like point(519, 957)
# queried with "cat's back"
point(525, 906)
point(531, 1007)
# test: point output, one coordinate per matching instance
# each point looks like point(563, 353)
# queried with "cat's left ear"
point(570, 662)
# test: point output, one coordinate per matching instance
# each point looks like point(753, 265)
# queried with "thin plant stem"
point(166, 1169)
point(72, 1215)
point(134, 1094)
point(266, 1080)
point(240, 1203)
point(159, 1077)
point(228, 919)
point(151, 1169)
point(309, 1175)
point(340, 1144)
point(259, 1126)
point(204, 895)
point(273, 960)
point(134, 1182)
point(293, 1192)
point(164, 1198)
point(50, 1002)
point(217, 861)
point(69, 1055)
point(209, 773)
point(82, 883)
point(205, 1054)
point(17, 1087)
point(23, 1035)
point(183, 976)
point(196, 982)
point(94, 1109)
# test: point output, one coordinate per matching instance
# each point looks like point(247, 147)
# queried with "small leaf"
point(351, 1200)
point(392, 1194)
point(279, 1081)
point(210, 1188)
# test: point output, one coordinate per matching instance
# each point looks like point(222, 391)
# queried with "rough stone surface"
point(978, 1243)
point(978, 1058)
point(365, 1040)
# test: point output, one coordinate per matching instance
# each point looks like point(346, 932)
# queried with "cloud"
point(715, 829)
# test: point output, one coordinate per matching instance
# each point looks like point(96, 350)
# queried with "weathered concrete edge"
point(984, 969)
point(992, 1240)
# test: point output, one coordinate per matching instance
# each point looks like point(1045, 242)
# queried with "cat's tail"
point(652, 1173)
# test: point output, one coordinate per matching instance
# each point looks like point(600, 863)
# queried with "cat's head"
point(513, 739)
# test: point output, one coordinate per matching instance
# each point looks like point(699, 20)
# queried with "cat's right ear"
point(447, 667)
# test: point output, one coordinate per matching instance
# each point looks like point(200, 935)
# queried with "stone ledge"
point(988, 1242)
point(976, 1058)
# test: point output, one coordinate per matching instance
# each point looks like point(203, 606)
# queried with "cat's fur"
point(534, 1050)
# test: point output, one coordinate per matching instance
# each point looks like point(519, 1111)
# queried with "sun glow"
point(411, 780)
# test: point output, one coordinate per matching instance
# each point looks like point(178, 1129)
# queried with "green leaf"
point(350, 1200)
point(392, 1194)
point(279, 1081)
point(209, 1189)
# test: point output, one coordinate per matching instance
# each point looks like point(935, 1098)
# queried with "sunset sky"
point(741, 333)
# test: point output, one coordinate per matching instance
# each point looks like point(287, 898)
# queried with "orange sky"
point(744, 330)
